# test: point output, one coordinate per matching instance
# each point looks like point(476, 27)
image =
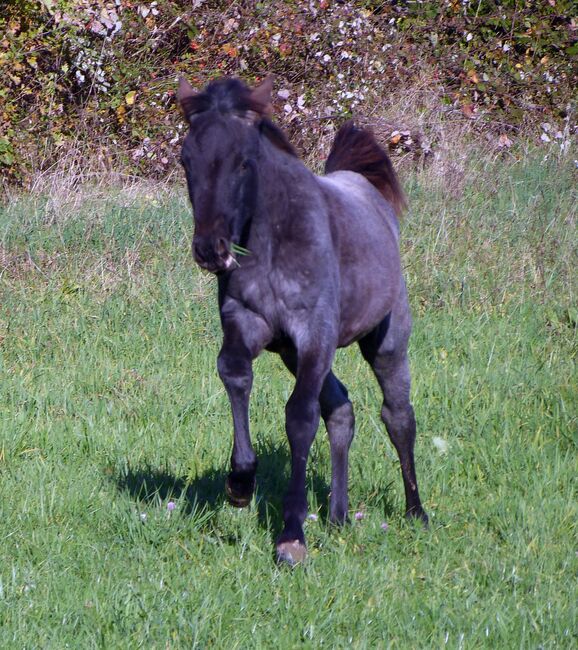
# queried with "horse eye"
point(245, 165)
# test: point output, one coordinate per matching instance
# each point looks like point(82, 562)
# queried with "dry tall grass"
point(422, 134)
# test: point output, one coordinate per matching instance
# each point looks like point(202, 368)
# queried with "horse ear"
point(185, 90)
point(261, 94)
point(185, 93)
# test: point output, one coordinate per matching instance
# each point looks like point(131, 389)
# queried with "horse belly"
point(371, 279)
point(364, 304)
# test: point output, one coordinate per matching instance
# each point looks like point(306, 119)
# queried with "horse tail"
point(355, 149)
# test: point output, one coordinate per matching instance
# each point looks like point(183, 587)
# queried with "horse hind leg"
point(337, 413)
point(391, 368)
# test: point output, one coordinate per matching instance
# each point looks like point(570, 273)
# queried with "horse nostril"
point(221, 247)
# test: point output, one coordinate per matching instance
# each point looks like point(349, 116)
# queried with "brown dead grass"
point(18, 265)
point(421, 132)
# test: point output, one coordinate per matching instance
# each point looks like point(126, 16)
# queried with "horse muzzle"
point(213, 256)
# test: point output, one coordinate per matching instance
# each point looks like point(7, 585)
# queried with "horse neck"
point(284, 183)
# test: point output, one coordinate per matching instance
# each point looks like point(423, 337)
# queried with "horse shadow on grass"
point(206, 492)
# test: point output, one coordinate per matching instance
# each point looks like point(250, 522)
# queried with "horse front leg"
point(235, 370)
point(243, 338)
point(302, 414)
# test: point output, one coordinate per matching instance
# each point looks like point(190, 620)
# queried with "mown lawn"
point(110, 407)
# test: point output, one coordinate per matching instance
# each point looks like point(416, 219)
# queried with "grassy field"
point(110, 407)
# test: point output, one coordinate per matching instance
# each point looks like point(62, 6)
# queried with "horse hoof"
point(291, 553)
point(418, 515)
point(338, 519)
point(238, 495)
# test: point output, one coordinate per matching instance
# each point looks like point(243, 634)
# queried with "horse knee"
point(340, 425)
point(234, 372)
point(302, 409)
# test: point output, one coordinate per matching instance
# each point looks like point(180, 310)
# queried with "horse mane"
point(355, 149)
point(232, 96)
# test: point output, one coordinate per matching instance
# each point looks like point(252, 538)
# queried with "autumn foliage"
point(97, 78)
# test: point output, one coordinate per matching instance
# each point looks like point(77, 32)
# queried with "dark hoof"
point(239, 491)
point(291, 553)
point(418, 514)
point(338, 519)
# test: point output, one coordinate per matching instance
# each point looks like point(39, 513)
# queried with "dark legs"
point(337, 412)
point(317, 393)
point(336, 409)
point(237, 375)
point(391, 369)
point(244, 336)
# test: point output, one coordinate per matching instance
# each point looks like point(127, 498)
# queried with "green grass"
point(110, 406)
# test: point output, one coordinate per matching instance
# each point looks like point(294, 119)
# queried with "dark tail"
point(356, 150)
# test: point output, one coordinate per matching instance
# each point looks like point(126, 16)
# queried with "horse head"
point(220, 156)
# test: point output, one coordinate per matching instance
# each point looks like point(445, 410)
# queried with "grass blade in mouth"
point(239, 250)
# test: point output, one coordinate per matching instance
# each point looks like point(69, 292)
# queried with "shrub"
point(97, 77)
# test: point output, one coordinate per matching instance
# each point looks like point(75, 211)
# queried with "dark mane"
point(276, 136)
point(357, 150)
point(232, 96)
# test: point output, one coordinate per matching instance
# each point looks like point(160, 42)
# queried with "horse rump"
point(356, 149)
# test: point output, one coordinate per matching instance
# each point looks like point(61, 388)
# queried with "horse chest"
point(284, 299)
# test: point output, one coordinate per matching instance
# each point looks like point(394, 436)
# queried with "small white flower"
point(440, 444)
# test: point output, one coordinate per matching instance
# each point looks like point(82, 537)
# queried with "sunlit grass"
point(111, 406)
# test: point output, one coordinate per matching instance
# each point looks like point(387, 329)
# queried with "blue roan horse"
point(323, 272)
